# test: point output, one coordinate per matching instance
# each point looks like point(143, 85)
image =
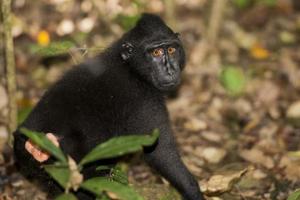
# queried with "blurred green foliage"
point(53, 49)
point(233, 80)
point(248, 3)
point(69, 196)
point(23, 113)
point(242, 3)
point(127, 21)
point(295, 195)
point(268, 2)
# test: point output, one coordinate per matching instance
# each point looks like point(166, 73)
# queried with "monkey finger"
point(53, 139)
point(40, 156)
point(36, 152)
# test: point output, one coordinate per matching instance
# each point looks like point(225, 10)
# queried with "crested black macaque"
point(119, 92)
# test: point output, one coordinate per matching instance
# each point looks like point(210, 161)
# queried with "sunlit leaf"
point(68, 196)
point(101, 184)
point(59, 173)
point(119, 146)
point(218, 184)
point(295, 195)
point(233, 80)
point(259, 52)
point(294, 154)
point(44, 143)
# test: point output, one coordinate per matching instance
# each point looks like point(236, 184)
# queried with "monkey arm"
point(164, 158)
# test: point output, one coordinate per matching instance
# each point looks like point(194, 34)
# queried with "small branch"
point(208, 43)
point(10, 66)
point(215, 20)
point(170, 13)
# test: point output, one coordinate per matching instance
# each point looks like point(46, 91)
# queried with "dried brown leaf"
point(219, 184)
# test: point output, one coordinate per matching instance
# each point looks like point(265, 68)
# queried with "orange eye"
point(171, 50)
point(157, 52)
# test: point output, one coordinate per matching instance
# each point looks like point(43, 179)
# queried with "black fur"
point(117, 93)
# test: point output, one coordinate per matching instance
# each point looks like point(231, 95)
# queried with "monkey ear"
point(127, 50)
point(177, 35)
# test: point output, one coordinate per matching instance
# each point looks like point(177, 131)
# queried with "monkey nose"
point(168, 68)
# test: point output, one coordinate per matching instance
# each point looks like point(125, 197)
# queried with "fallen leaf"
point(295, 154)
point(86, 24)
point(287, 37)
point(213, 154)
point(291, 167)
point(195, 124)
point(259, 52)
point(65, 27)
point(256, 156)
point(43, 38)
point(294, 110)
point(219, 184)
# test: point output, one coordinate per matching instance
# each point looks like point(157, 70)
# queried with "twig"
point(210, 37)
point(170, 13)
point(2, 71)
point(10, 67)
point(215, 20)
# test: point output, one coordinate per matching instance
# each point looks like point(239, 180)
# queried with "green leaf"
point(233, 80)
point(268, 2)
point(119, 146)
point(127, 22)
point(116, 173)
point(45, 144)
point(119, 176)
point(242, 3)
point(103, 197)
point(23, 113)
point(103, 168)
point(60, 173)
point(100, 184)
point(295, 195)
point(68, 196)
point(53, 49)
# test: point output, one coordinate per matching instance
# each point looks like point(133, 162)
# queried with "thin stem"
point(10, 66)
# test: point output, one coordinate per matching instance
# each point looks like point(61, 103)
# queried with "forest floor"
point(239, 138)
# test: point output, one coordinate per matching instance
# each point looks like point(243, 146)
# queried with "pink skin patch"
point(36, 152)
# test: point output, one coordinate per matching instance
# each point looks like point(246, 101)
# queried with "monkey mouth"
point(170, 81)
point(168, 84)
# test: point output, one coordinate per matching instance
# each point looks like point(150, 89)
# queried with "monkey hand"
point(36, 152)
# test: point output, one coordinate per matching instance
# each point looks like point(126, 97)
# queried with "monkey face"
point(161, 63)
point(164, 60)
point(155, 52)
